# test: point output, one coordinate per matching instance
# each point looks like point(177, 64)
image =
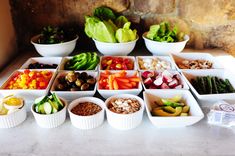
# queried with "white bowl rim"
point(84, 98)
point(119, 43)
point(63, 100)
point(186, 39)
point(38, 44)
point(120, 96)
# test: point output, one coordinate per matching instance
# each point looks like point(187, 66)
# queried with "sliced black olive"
point(84, 75)
point(85, 86)
point(91, 81)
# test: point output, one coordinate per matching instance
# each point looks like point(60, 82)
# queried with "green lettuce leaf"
point(125, 34)
point(120, 21)
point(153, 31)
point(104, 13)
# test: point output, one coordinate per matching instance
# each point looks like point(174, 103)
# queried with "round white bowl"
point(118, 49)
point(164, 48)
point(50, 120)
point(124, 121)
point(58, 49)
point(13, 119)
point(87, 122)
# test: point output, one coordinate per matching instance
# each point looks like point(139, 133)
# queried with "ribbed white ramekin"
point(50, 120)
point(124, 121)
point(87, 122)
point(13, 119)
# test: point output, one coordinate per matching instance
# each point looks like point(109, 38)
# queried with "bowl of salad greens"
point(111, 33)
point(162, 40)
point(54, 41)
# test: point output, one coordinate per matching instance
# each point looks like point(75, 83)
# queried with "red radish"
point(164, 86)
point(167, 79)
point(147, 74)
point(177, 76)
point(179, 86)
point(173, 83)
point(158, 81)
point(153, 87)
point(148, 81)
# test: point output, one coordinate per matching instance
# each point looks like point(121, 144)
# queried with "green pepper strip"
point(94, 61)
point(80, 61)
point(89, 57)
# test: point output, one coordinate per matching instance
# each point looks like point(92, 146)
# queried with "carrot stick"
point(115, 85)
point(125, 80)
point(133, 83)
point(110, 82)
point(125, 84)
point(134, 79)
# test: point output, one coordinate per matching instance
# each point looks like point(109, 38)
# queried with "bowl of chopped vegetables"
point(54, 41)
point(111, 33)
point(162, 40)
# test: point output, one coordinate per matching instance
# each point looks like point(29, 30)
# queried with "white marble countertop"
point(200, 139)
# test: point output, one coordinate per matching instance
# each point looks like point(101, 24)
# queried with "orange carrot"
point(125, 84)
point(133, 83)
point(125, 80)
point(115, 85)
point(110, 82)
point(134, 79)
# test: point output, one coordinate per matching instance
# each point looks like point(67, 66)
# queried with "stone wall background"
point(210, 23)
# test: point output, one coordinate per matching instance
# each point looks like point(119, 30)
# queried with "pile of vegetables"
point(118, 80)
point(30, 80)
point(170, 107)
point(83, 61)
point(163, 33)
point(48, 104)
point(76, 81)
point(212, 85)
point(106, 26)
point(53, 35)
point(116, 63)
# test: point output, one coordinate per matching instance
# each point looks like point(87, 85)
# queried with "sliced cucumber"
point(40, 100)
point(41, 109)
point(36, 109)
point(54, 104)
point(54, 110)
point(58, 101)
point(47, 107)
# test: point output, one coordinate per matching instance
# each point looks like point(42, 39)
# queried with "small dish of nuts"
point(124, 111)
point(86, 112)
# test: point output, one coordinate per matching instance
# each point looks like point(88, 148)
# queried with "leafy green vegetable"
point(163, 33)
point(125, 34)
point(120, 21)
point(105, 27)
point(104, 13)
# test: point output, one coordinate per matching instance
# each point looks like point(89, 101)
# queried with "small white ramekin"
point(50, 120)
point(87, 122)
point(124, 121)
point(13, 119)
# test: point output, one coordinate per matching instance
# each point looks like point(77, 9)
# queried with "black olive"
point(85, 86)
point(89, 77)
point(62, 80)
point(91, 81)
point(84, 75)
point(71, 77)
point(60, 87)
point(79, 82)
point(78, 75)
point(74, 89)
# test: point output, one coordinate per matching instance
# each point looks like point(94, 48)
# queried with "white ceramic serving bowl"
point(28, 94)
point(129, 57)
point(185, 86)
point(13, 119)
point(72, 95)
point(52, 50)
point(164, 48)
point(208, 98)
point(117, 49)
point(50, 120)
point(124, 121)
point(65, 59)
point(196, 113)
point(195, 56)
point(163, 58)
point(105, 93)
point(87, 122)
point(44, 60)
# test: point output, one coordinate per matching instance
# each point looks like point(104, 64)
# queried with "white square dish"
point(195, 56)
point(65, 59)
point(163, 58)
point(44, 60)
point(189, 74)
point(72, 95)
point(195, 113)
point(106, 93)
point(185, 86)
point(27, 94)
point(129, 57)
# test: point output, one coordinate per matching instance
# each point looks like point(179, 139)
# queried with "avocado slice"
point(160, 112)
point(184, 114)
point(185, 109)
point(172, 104)
point(169, 109)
